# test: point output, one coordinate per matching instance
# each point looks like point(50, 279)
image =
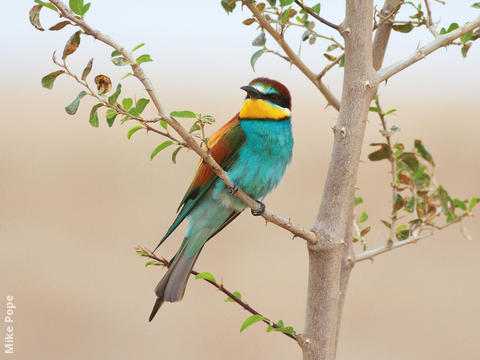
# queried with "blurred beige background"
point(75, 201)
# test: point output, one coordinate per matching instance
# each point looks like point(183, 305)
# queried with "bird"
point(254, 148)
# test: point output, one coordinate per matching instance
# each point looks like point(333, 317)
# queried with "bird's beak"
point(253, 92)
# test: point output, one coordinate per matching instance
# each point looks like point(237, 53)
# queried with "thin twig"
point(190, 142)
point(316, 16)
point(330, 66)
point(412, 239)
point(222, 288)
point(430, 25)
point(421, 53)
point(331, 99)
point(393, 167)
point(370, 254)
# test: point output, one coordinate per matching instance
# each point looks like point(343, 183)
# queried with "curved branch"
point(220, 287)
point(268, 215)
point(331, 99)
point(316, 16)
point(440, 41)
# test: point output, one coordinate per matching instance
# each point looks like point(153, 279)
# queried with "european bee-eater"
point(254, 148)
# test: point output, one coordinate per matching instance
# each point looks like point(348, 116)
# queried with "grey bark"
point(333, 223)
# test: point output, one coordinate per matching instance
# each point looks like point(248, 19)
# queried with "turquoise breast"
point(262, 160)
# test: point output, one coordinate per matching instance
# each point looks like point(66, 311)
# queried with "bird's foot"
point(259, 211)
point(233, 189)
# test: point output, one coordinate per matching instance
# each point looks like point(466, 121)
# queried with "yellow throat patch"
point(262, 109)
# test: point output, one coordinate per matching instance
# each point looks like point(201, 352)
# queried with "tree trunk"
point(333, 224)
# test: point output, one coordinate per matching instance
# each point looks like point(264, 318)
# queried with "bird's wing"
point(224, 147)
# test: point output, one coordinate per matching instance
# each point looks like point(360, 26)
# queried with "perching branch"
point(221, 287)
point(316, 16)
point(421, 53)
point(138, 72)
point(294, 58)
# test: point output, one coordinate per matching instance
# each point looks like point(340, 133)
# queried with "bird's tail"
point(172, 286)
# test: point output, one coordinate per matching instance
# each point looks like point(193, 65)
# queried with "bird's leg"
point(233, 189)
point(259, 211)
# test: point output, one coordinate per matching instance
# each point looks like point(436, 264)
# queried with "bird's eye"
point(274, 97)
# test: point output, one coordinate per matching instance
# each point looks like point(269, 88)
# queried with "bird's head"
point(266, 100)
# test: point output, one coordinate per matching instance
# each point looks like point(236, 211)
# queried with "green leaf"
point(255, 57)
point(127, 103)
point(175, 153)
point(138, 47)
point(402, 235)
point(460, 204)
point(115, 53)
point(77, 6)
point(306, 35)
point(141, 252)
point(365, 231)
point(133, 130)
point(141, 105)
point(48, 80)
point(72, 44)
point(59, 26)
point(410, 159)
point(236, 294)
point(251, 320)
point(153, 262)
point(111, 116)
point(380, 154)
point(286, 2)
point(342, 62)
point(126, 75)
point(330, 57)
point(260, 40)
point(94, 116)
point(363, 217)
point(160, 148)
point(183, 114)
point(445, 202)
point(85, 8)
point(228, 5)
point(473, 201)
point(399, 203)
point(316, 8)
point(272, 2)
point(143, 58)
point(390, 111)
point(112, 99)
point(386, 223)
point(206, 276)
point(73, 107)
point(34, 16)
point(422, 150)
point(120, 61)
point(466, 37)
point(285, 16)
point(358, 201)
point(476, 5)
point(375, 109)
point(248, 21)
point(87, 69)
point(163, 124)
point(404, 28)
point(453, 26)
point(332, 47)
point(53, 7)
point(465, 48)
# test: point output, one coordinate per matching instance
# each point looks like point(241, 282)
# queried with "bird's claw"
point(259, 211)
point(233, 189)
